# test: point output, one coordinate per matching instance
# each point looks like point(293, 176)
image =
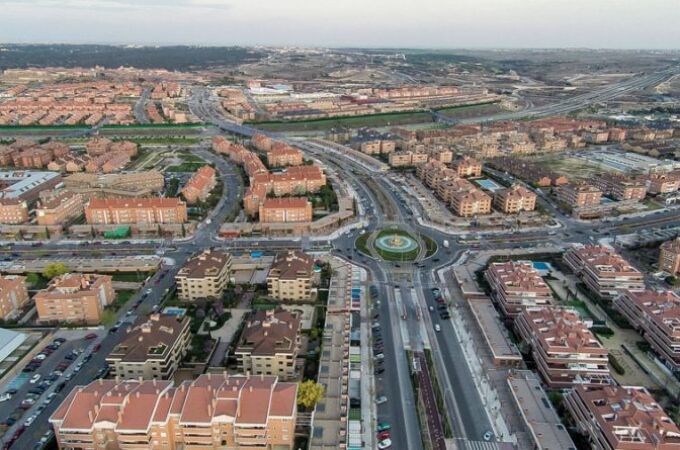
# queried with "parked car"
point(35, 378)
point(384, 426)
point(91, 336)
point(387, 443)
point(437, 327)
point(380, 400)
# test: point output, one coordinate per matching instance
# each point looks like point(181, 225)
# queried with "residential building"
point(467, 167)
point(663, 183)
point(669, 257)
point(514, 199)
point(205, 275)
point(74, 298)
point(516, 285)
point(138, 210)
point(656, 315)
point(282, 156)
point(470, 203)
point(13, 296)
point(58, 207)
point(137, 184)
point(199, 186)
point(285, 209)
point(603, 270)
point(579, 195)
point(565, 351)
point(620, 187)
point(290, 276)
point(214, 411)
point(621, 418)
point(269, 344)
point(13, 211)
point(150, 349)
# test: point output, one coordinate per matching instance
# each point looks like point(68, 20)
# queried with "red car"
point(96, 348)
point(90, 336)
point(383, 435)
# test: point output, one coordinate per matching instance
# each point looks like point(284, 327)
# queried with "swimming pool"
point(542, 266)
point(174, 311)
point(489, 185)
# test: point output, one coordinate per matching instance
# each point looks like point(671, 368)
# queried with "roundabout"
point(394, 244)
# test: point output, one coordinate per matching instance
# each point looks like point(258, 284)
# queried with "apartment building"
point(603, 270)
point(205, 275)
point(214, 411)
point(669, 256)
point(579, 195)
point(470, 203)
point(150, 349)
point(137, 184)
point(13, 211)
point(138, 210)
point(516, 285)
point(269, 344)
point(58, 207)
point(285, 209)
point(296, 180)
point(656, 315)
point(406, 158)
point(74, 298)
point(620, 187)
point(199, 186)
point(467, 167)
point(663, 183)
point(514, 200)
point(621, 418)
point(291, 276)
point(13, 296)
point(378, 147)
point(283, 156)
point(565, 351)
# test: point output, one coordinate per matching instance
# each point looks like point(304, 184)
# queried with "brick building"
point(75, 298)
point(139, 210)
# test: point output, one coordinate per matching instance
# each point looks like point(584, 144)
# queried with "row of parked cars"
point(383, 431)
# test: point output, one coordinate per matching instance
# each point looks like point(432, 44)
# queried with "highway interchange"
point(468, 418)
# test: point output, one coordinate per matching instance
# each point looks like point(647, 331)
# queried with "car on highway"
point(387, 443)
point(383, 435)
point(431, 308)
point(34, 379)
point(383, 426)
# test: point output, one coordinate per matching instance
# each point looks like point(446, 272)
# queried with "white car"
point(40, 356)
point(29, 421)
point(437, 327)
point(35, 378)
point(380, 400)
point(387, 443)
point(5, 397)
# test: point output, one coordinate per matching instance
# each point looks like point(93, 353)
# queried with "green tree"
point(54, 270)
point(309, 394)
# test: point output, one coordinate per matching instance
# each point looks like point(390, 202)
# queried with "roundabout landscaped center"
point(390, 244)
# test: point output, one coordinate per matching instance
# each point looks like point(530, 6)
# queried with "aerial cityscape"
point(292, 242)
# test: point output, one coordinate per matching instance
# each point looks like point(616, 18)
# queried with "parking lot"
point(31, 395)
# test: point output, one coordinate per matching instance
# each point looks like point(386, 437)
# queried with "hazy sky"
point(412, 23)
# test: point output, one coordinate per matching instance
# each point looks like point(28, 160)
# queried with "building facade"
point(135, 211)
point(214, 411)
point(565, 351)
point(13, 296)
point(290, 276)
point(205, 275)
point(516, 285)
point(151, 349)
point(269, 344)
point(75, 298)
point(669, 256)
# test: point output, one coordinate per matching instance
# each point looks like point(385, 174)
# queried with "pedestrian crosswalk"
point(477, 445)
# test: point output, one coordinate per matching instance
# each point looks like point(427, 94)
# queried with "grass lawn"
point(130, 276)
point(360, 243)
point(122, 298)
point(186, 167)
point(373, 120)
